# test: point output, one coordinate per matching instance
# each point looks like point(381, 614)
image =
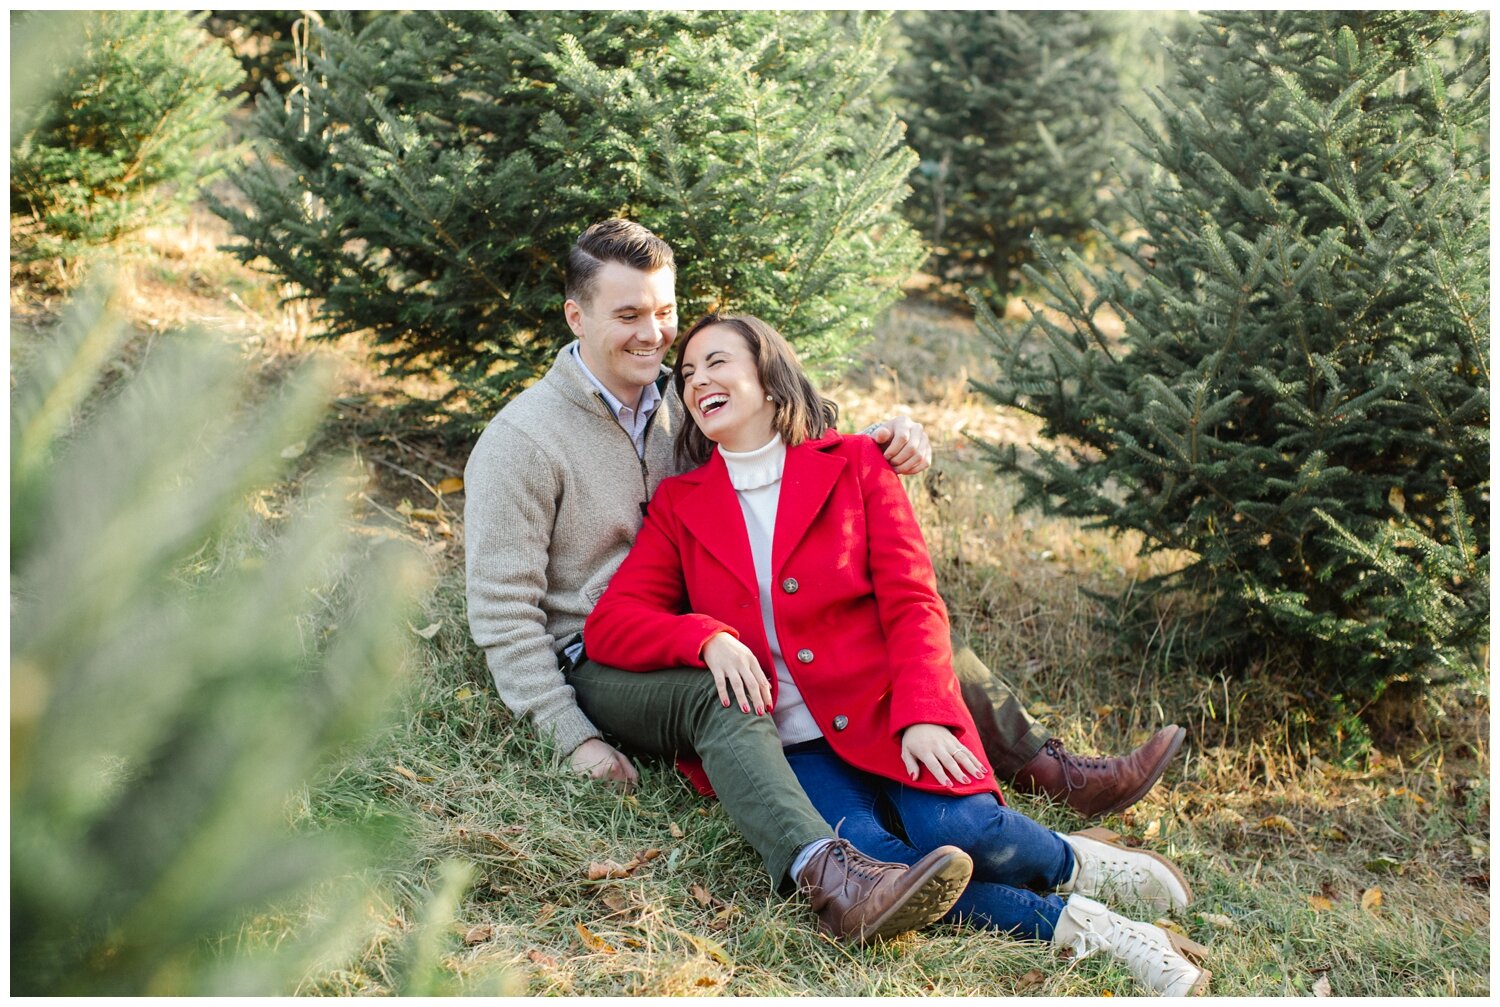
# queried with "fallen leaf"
point(675, 829)
point(1384, 865)
point(464, 692)
point(425, 514)
point(426, 633)
point(593, 941)
point(711, 948)
point(1104, 710)
point(701, 894)
point(1153, 829)
point(547, 911)
point(1322, 988)
point(705, 981)
point(1217, 920)
point(402, 770)
point(1171, 925)
point(294, 450)
point(545, 961)
point(645, 856)
point(1279, 822)
point(1336, 834)
point(1371, 898)
point(615, 900)
point(1479, 849)
point(479, 934)
point(452, 484)
point(1403, 792)
point(1033, 978)
point(1319, 903)
point(599, 870)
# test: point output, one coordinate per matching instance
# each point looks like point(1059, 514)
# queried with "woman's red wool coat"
point(862, 628)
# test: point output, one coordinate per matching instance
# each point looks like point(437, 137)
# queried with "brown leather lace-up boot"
point(1095, 786)
point(861, 900)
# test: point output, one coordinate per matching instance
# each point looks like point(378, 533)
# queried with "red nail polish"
point(745, 707)
point(726, 702)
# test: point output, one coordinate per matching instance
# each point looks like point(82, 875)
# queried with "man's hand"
point(734, 666)
point(599, 761)
point(906, 445)
point(934, 746)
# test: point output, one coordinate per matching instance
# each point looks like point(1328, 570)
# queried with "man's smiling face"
point(626, 328)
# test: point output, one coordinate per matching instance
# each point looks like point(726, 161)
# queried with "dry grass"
point(1283, 848)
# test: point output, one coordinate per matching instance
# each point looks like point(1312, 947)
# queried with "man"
point(555, 491)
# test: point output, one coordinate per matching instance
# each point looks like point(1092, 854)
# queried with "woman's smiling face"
point(722, 390)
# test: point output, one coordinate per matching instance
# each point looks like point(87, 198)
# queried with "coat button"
point(840, 722)
point(789, 585)
point(805, 656)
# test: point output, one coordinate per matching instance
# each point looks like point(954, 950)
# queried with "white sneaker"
point(1149, 952)
point(1105, 869)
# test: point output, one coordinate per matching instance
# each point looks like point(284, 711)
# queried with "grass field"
point(1362, 877)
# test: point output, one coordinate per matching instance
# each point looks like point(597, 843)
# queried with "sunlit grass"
point(1282, 843)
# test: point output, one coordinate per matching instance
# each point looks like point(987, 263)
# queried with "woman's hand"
point(934, 746)
point(735, 667)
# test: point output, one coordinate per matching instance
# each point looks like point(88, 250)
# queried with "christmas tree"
point(1300, 399)
point(426, 178)
point(130, 125)
point(1013, 115)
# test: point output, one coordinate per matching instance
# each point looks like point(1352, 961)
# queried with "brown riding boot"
point(861, 900)
point(1096, 786)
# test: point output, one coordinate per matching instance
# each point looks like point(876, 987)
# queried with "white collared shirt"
point(632, 420)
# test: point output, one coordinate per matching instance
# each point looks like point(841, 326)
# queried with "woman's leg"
point(1014, 857)
point(846, 798)
point(1005, 844)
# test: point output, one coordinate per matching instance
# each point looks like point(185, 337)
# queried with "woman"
point(796, 549)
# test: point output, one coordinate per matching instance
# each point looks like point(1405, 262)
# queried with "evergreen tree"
point(1013, 115)
point(172, 683)
point(132, 127)
point(426, 180)
point(1300, 400)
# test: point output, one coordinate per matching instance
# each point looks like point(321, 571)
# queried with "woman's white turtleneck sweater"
point(756, 478)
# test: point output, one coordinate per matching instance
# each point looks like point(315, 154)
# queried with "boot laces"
point(1073, 766)
point(854, 862)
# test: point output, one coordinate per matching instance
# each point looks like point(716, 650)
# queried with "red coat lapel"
point(711, 513)
point(808, 478)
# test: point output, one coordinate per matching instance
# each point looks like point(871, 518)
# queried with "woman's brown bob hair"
point(801, 413)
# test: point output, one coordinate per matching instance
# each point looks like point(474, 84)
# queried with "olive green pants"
point(1009, 736)
point(667, 712)
point(678, 710)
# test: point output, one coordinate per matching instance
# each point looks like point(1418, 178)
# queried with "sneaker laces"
point(1130, 944)
point(1073, 766)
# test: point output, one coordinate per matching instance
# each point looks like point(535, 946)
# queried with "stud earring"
point(769, 399)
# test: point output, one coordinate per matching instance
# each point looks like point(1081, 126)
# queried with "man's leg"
point(1025, 753)
point(678, 711)
point(1011, 738)
point(667, 712)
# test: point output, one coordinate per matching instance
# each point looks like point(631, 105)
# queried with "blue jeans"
point(1015, 859)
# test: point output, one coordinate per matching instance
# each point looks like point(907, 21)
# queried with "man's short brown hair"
point(614, 240)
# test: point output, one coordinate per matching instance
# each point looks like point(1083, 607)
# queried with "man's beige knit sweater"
point(553, 496)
